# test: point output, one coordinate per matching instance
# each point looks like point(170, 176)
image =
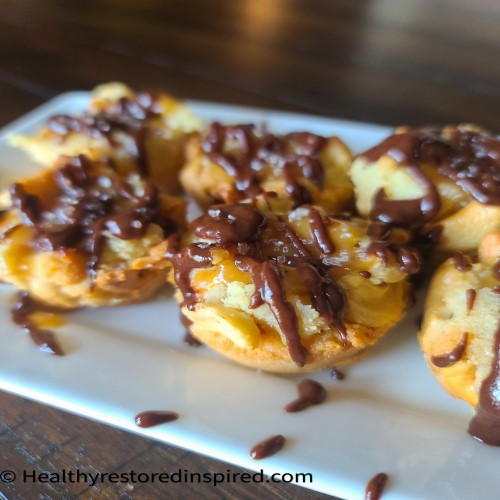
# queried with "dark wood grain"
point(384, 61)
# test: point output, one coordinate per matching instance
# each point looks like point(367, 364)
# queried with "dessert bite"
point(228, 164)
point(137, 132)
point(289, 290)
point(445, 183)
point(78, 234)
point(460, 334)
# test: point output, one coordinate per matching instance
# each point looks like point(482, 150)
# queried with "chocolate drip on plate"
point(21, 312)
point(310, 393)
point(470, 159)
point(195, 256)
point(268, 447)
point(337, 374)
point(485, 426)
point(452, 357)
point(152, 418)
point(376, 486)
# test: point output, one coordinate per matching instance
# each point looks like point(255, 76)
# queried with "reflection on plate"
point(388, 415)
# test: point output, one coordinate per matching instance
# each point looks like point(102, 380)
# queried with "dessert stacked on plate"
point(304, 254)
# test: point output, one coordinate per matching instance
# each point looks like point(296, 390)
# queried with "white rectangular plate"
point(388, 415)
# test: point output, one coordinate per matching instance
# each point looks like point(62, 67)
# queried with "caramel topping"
point(294, 156)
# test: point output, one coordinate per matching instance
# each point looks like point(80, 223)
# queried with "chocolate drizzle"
point(470, 298)
point(485, 426)
point(229, 224)
point(375, 486)
point(496, 270)
point(86, 205)
point(320, 232)
point(21, 312)
point(452, 357)
point(461, 262)
point(471, 159)
point(195, 256)
point(126, 115)
point(244, 154)
point(268, 447)
point(310, 393)
point(152, 418)
point(269, 289)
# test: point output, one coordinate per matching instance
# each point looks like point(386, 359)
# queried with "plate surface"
point(388, 415)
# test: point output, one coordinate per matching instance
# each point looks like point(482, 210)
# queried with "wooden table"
point(385, 61)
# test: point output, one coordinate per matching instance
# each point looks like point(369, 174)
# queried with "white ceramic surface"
point(388, 415)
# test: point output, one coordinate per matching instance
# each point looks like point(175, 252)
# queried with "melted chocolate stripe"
point(320, 232)
point(470, 298)
point(376, 486)
point(21, 312)
point(485, 426)
point(452, 357)
point(268, 283)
